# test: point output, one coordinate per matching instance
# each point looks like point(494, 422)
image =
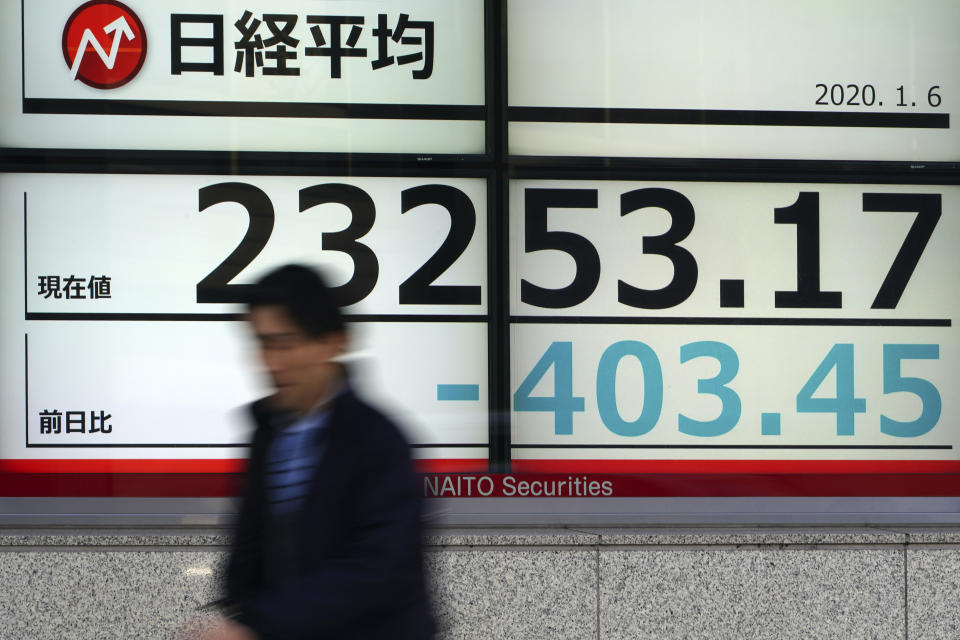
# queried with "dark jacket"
point(360, 565)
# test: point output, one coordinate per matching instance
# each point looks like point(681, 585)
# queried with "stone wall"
point(550, 583)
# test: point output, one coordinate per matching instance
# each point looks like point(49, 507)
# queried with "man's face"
point(299, 364)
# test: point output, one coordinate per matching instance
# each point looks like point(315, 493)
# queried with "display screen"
point(120, 339)
point(729, 327)
point(619, 248)
point(212, 75)
point(813, 80)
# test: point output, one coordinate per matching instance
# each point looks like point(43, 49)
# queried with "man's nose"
point(272, 362)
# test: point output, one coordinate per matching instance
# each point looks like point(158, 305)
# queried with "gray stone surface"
point(515, 536)
point(514, 594)
point(747, 536)
point(508, 536)
point(94, 595)
point(55, 538)
point(933, 535)
point(654, 582)
point(760, 594)
point(933, 594)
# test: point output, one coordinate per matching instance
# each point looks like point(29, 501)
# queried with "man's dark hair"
point(303, 294)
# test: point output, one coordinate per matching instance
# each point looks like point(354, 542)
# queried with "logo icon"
point(104, 44)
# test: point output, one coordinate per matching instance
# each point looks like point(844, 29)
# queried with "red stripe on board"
point(236, 465)
point(186, 485)
point(119, 485)
point(587, 486)
point(153, 478)
point(475, 465)
point(452, 465)
point(737, 466)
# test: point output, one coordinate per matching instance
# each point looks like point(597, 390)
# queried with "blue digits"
point(607, 388)
point(844, 404)
point(730, 401)
point(562, 403)
point(894, 382)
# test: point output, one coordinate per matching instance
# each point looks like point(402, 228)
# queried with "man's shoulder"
point(362, 415)
point(260, 409)
point(362, 423)
point(262, 415)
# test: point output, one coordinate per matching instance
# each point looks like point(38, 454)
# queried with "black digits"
point(684, 264)
point(928, 207)
point(366, 269)
point(805, 213)
point(537, 237)
point(215, 286)
point(419, 287)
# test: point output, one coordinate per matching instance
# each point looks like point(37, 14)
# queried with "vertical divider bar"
point(26, 390)
point(25, 272)
point(498, 254)
point(26, 347)
point(23, 57)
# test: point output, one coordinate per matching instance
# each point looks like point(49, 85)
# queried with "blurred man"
point(328, 537)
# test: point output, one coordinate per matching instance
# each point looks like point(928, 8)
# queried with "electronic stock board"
point(715, 241)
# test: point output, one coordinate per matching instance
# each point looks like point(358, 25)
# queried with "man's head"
point(299, 329)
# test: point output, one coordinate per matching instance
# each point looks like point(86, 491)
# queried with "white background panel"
point(457, 76)
point(734, 237)
point(148, 234)
point(163, 383)
point(737, 142)
point(774, 364)
point(180, 381)
point(185, 383)
point(457, 79)
point(744, 55)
